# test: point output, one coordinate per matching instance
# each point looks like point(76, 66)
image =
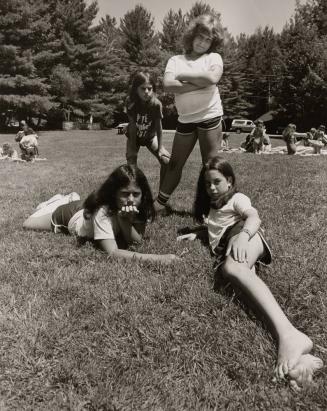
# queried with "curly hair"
point(205, 24)
point(202, 202)
point(121, 177)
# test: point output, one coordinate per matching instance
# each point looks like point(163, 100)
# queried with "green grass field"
point(80, 331)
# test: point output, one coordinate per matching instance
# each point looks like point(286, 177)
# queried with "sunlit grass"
point(81, 331)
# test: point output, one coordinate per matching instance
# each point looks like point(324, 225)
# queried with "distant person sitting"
point(28, 142)
point(8, 152)
point(290, 138)
point(257, 136)
point(318, 139)
point(225, 142)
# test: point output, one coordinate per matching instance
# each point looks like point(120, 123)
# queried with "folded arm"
point(202, 78)
point(172, 85)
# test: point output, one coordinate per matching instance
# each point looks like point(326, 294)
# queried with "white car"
point(242, 125)
point(121, 128)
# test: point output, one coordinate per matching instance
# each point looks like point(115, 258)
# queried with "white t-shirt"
point(228, 215)
point(199, 105)
point(99, 227)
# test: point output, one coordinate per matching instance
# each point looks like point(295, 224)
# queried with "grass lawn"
point(81, 332)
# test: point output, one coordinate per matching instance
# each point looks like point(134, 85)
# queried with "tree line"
point(56, 64)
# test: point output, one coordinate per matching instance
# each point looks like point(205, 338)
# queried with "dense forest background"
point(57, 65)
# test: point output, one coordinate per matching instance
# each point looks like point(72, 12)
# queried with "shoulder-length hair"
point(202, 202)
point(121, 177)
point(136, 80)
point(205, 24)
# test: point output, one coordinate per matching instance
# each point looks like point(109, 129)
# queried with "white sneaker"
point(72, 197)
point(51, 200)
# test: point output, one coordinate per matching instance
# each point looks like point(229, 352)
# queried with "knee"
point(164, 160)
point(232, 269)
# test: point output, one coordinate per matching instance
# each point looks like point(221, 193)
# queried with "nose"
point(131, 198)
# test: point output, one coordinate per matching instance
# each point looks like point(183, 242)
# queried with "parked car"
point(121, 128)
point(242, 125)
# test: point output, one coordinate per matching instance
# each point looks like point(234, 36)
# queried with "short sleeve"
point(215, 60)
point(171, 66)
point(241, 203)
point(102, 226)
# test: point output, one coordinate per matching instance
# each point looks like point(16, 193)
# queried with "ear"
point(229, 181)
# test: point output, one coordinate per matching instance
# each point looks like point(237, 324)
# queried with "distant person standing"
point(290, 138)
point(193, 78)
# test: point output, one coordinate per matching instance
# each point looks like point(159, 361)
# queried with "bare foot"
point(301, 375)
point(291, 347)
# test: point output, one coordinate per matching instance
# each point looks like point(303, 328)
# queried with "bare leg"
point(181, 150)
point(291, 342)
point(301, 374)
point(210, 142)
point(163, 160)
point(41, 218)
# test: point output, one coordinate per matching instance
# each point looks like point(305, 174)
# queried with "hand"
point(187, 237)
point(238, 246)
point(170, 258)
point(128, 212)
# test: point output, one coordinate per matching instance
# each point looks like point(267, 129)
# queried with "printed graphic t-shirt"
point(145, 116)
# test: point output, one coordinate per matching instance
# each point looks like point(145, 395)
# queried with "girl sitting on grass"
point(144, 112)
point(237, 243)
point(114, 216)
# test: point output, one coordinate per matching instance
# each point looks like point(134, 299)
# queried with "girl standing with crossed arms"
point(193, 78)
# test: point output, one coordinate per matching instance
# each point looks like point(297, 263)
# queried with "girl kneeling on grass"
point(114, 216)
point(237, 243)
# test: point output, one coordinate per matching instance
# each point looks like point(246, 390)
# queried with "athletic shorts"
point(61, 216)
point(220, 250)
point(189, 128)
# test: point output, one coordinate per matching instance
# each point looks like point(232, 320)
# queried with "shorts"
point(220, 250)
point(189, 128)
point(61, 216)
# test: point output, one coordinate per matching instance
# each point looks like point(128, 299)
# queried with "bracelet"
point(248, 232)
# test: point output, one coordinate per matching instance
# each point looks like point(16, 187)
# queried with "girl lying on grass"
point(114, 216)
point(237, 242)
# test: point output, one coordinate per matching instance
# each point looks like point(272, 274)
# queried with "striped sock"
point(163, 198)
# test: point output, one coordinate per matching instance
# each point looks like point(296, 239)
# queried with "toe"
point(294, 386)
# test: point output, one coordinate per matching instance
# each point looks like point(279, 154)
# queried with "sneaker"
point(50, 201)
point(72, 197)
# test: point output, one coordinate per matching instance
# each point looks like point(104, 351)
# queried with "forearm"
point(201, 78)
point(252, 225)
point(178, 87)
point(132, 255)
point(130, 233)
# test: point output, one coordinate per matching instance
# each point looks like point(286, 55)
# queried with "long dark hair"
point(121, 177)
point(203, 202)
point(204, 24)
point(137, 79)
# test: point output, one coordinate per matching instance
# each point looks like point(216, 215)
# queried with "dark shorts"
point(61, 216)
point(220, 250)
point(143, 141)
point(189, 128)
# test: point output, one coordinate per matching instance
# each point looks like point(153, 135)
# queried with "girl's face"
point(216, 184)
point(129, 195)
point(201, 43)
point(145, 91)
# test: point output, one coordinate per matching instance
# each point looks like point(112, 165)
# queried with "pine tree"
point(200, 8)
point(139, 39)
point(173, 26)
point(302, 92)
point(22, 27)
